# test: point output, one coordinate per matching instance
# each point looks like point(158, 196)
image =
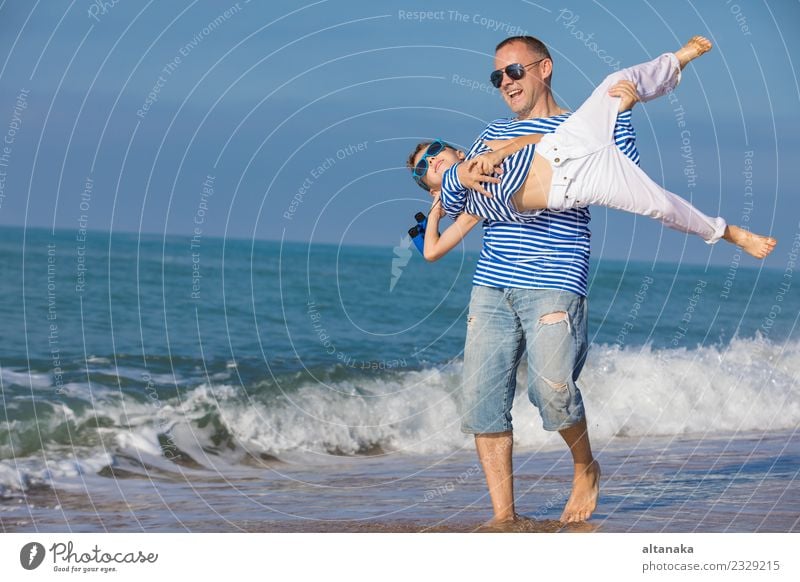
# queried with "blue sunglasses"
point(436, 147)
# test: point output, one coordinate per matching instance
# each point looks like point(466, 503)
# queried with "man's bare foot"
point(697, 46)
point(753, 244)
point(502, 521)
point(500, 524)
point(585, 490)
point(524, 524)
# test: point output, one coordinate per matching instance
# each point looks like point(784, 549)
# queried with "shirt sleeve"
point(501, 206)
point(454, 195)
point(625, 136)
point(517, 166)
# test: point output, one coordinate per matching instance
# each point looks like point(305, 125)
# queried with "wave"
point(25, 378)
point(747, 385)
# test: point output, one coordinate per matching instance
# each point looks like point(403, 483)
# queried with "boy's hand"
point(626, 91)
point(437, 204)
point(471, 176)
point(488, 163)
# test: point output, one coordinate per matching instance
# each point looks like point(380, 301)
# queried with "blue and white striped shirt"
point(549, 250)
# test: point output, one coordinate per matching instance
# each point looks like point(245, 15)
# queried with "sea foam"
point(748, 385)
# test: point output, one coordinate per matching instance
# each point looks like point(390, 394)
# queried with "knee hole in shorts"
point(554, 318)
point(557, 386)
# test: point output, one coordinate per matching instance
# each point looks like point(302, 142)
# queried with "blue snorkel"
point(417, 233)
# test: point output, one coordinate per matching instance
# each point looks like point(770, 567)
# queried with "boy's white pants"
point(588, 168)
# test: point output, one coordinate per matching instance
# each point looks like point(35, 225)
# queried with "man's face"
point(438, 165)
point(521, 96)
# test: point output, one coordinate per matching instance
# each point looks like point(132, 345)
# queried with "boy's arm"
point(436, 245)
point(454, 193)
point(478, 172)
point(489, 163)
point(457, 183)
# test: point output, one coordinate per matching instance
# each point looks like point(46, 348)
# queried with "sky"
point(292, 121)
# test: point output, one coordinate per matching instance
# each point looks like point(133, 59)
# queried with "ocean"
point(184, 383)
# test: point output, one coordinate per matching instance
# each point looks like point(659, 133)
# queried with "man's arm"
point(480, 169)
point(502, 148)
point(491, 197)
point(436, 245)
point(624, 134)
point(487, 164)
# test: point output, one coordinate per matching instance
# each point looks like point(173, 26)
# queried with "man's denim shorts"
point(501, 323)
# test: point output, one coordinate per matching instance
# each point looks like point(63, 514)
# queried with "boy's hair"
point(422, 146)
point(536, 46)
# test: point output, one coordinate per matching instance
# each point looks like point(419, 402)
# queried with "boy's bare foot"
point(585, 490)
point(697, 46)
point(753, 244)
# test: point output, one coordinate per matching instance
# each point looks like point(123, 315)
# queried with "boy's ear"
point(461, 155)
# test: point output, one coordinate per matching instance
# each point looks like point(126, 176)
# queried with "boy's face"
point(438, 165)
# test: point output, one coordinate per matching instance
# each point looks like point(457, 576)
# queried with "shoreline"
point(743, 483)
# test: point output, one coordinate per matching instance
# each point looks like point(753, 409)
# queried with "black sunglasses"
point(421, 168)
point(514, 71)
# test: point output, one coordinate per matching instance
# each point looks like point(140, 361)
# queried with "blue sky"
point(300, 116)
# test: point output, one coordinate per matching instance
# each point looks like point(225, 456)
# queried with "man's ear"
point(546, 68)
point(460, 155)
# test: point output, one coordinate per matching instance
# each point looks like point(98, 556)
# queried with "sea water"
point(256, 371)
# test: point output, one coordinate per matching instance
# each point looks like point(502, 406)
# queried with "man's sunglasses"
point(421, 168)
point(514, 72)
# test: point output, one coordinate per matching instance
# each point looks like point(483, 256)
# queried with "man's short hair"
point(536, 46)
point(533, 43)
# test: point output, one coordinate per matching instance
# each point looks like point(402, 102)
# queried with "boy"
point(576, 165)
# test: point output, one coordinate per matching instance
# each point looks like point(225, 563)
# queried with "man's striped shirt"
point(549, 250)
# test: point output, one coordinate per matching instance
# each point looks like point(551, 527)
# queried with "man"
point(579, 164)
point(529, 289)
point(624, 187)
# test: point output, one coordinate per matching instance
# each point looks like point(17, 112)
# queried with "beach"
point(287, 397)
point(739, 483)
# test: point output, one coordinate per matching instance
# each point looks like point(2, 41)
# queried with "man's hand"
point(471, 176)
point(626, 91)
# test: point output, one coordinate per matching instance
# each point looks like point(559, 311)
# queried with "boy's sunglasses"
point(421, 168)
point(515, 72)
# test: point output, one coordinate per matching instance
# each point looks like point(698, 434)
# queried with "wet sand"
point(738, 483)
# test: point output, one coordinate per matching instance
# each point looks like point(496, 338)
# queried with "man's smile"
point(513, 93)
